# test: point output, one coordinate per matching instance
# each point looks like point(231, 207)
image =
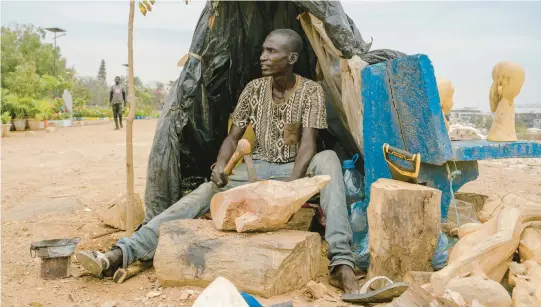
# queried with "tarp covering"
point(224, 57)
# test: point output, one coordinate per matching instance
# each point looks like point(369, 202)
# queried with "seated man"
point(286, 111)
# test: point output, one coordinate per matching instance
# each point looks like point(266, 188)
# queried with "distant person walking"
point(117, 97)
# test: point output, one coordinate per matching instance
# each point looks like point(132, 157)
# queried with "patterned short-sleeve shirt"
point(277, 126)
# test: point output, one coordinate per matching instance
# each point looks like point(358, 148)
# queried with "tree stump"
point(193, 252)
point(404, 224)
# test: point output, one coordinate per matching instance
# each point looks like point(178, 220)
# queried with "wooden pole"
point(129, 129)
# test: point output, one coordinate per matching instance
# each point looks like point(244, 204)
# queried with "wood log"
point(530, 210)
point(404, 223)
point(491, 246)
point(123, 274)
point(193, 252)
point(478, 200)
point(417, 278)
point(486, 291)
point(468, 228)
point(527, 292)
point(529, 247)
point(415, 296)
point(302, 219)
point(264, 205)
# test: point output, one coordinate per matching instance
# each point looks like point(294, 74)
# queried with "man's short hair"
point(294, 39)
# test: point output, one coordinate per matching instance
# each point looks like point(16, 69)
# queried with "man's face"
point(276, 57)
point(117, 80)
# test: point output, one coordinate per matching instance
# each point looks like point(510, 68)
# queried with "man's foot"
point(116, 128)
point(343, 277)
point(121, 125)
point(99, 264)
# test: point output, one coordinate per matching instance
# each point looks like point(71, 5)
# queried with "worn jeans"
point(142, 244)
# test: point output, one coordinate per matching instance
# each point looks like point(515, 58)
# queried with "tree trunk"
point(129, 129)
point(193, 252)
point(404, 224)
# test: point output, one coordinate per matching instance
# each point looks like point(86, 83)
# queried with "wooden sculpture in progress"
point(446, 91)
point(492, 246)
point(493, 243)
point(507, 80)
point(264, 205)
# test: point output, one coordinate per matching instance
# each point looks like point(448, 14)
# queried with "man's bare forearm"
point(307, 150)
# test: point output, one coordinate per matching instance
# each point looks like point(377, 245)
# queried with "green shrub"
point(6, 117)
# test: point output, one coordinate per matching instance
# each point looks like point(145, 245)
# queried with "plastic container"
point(353, 182)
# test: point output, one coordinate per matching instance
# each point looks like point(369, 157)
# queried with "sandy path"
point(51, 180)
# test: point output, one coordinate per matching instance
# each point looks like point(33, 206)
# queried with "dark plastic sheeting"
point(193, 122)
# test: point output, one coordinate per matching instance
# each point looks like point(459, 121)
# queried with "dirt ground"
point(54, 183)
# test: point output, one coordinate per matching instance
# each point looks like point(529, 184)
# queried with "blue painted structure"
point(402, 108)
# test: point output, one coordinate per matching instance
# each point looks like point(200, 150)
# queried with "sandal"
point(382, 295)
point(93, 262)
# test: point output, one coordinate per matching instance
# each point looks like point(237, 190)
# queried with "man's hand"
point(218, 176)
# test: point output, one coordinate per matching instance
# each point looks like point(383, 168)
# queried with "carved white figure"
point(508, 79)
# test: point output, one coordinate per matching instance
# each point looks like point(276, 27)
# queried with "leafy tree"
point(23, 81)
point(102, 73)
point(23, 44)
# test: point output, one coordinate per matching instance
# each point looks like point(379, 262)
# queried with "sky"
point(464, 40)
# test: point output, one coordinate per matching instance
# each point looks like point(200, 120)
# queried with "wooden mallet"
point(243, 148)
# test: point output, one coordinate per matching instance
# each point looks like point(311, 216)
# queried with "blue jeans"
point(142, 244)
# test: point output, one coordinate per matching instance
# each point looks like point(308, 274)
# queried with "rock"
point(184, 296)
point(417, 278)
point(314, 291)
point(50, 129)
point(153, 294)
point(115, 214)
point(193, 252)
point(109, 304)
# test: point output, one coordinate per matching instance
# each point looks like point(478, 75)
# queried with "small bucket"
point(55, 256)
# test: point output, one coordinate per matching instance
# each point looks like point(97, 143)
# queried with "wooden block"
point(486, 291)
point(404, 224)
point(302, 219)
point(193, 252)
point(478, 200)
point(529, 247)
point(263, 205)
point(417, 278)
point(415, 296)
point(491, 247)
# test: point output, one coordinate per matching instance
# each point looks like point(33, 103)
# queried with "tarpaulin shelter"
point(224, 57)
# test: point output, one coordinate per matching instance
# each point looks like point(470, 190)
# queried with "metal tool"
point(398, 171)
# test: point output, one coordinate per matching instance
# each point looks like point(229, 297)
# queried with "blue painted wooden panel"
point(415, 95)
point(484, 150)
point(380, 123)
